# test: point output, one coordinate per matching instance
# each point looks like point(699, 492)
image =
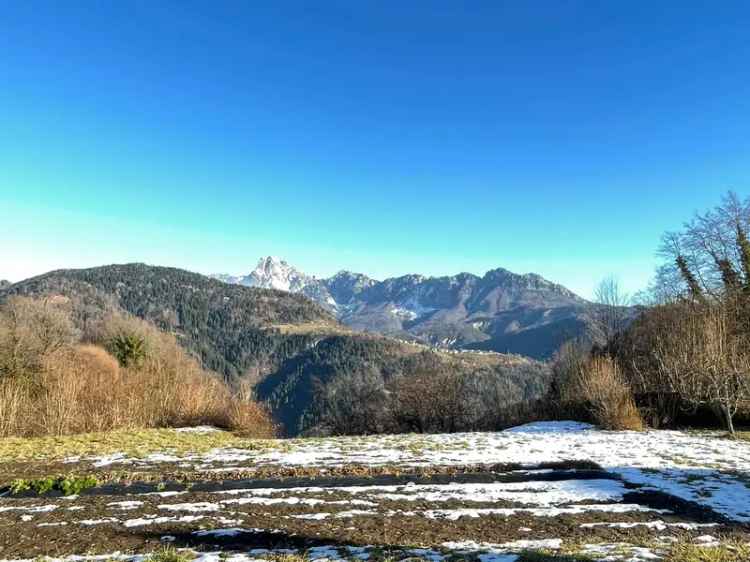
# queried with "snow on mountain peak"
point(274, 273)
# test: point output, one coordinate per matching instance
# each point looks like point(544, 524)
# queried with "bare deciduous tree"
point(354, 403)
point(611, 315)
point(711, 254)
point(30, 331)
point(704, 357)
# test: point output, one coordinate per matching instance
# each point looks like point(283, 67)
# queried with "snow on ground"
point(540, 493)
point(701, 468)
point(196, 429)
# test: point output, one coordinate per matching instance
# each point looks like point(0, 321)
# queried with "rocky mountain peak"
point(500, 310)
point(274, 273)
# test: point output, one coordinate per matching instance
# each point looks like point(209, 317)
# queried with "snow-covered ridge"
point(272, 273)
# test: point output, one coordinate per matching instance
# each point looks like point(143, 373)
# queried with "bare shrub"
point(51, 385)
point(13, 405)
point(656, 399)
point(564, 399)
point(432, 401)
point(248, 417)
point(593, 388)
point(30, 331)
point(169, 388)
point(609, 398)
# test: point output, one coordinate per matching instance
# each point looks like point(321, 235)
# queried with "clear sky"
point(559, 137)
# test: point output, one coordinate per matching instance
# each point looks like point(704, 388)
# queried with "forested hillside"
point(224, 325)
point(291, 348)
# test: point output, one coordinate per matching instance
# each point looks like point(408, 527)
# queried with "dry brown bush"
point(610, 400)
point(432, 401)
point(13, 405)
point(593, 388)
point(72, 388)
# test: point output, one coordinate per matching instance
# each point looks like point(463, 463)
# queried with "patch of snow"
point(552, 544)
point(455, 514)
point(197, 429)
point(548, 427)
point(655, 525)
point(91, 522)
point(156, 520)
point(31, 509)
point(197, 507)
point(125, 505)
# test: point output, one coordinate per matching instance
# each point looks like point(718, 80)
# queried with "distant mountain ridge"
point(284, 344)
point(499, 311)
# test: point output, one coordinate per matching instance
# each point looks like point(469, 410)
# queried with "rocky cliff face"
point(499, 311)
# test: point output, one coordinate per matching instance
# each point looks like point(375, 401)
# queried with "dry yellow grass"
point(50, 385)
point(314, 328)
point(136, 443)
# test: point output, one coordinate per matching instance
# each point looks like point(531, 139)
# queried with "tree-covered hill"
point(300, 390)
point(286, 345)
point(225, 325)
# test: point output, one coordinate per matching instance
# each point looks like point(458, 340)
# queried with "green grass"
point(733, 552)
point(69, 485)
point(135, 443)
point(170, 554)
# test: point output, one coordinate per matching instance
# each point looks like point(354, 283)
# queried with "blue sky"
point(381, 137)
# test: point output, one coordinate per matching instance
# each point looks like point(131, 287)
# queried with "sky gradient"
point(383, 137)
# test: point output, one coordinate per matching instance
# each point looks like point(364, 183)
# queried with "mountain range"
point(500, 311)
point(285, 345)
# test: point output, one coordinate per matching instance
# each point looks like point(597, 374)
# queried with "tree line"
point(689, 348)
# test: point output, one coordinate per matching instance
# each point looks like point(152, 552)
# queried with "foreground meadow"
point(544, 491)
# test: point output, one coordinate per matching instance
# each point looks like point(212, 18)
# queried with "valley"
point(286, 346)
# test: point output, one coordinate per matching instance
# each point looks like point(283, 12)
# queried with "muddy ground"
point(332, 508)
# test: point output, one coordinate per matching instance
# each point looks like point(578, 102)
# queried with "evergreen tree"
point(743, 244)
point(687, 275)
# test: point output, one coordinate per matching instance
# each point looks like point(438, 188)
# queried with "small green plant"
point(20, 485)
point(43, 485)
point(69, 485)
point(74, 485)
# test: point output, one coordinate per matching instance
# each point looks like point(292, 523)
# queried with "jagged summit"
point(275, 273)
point(499, 311)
